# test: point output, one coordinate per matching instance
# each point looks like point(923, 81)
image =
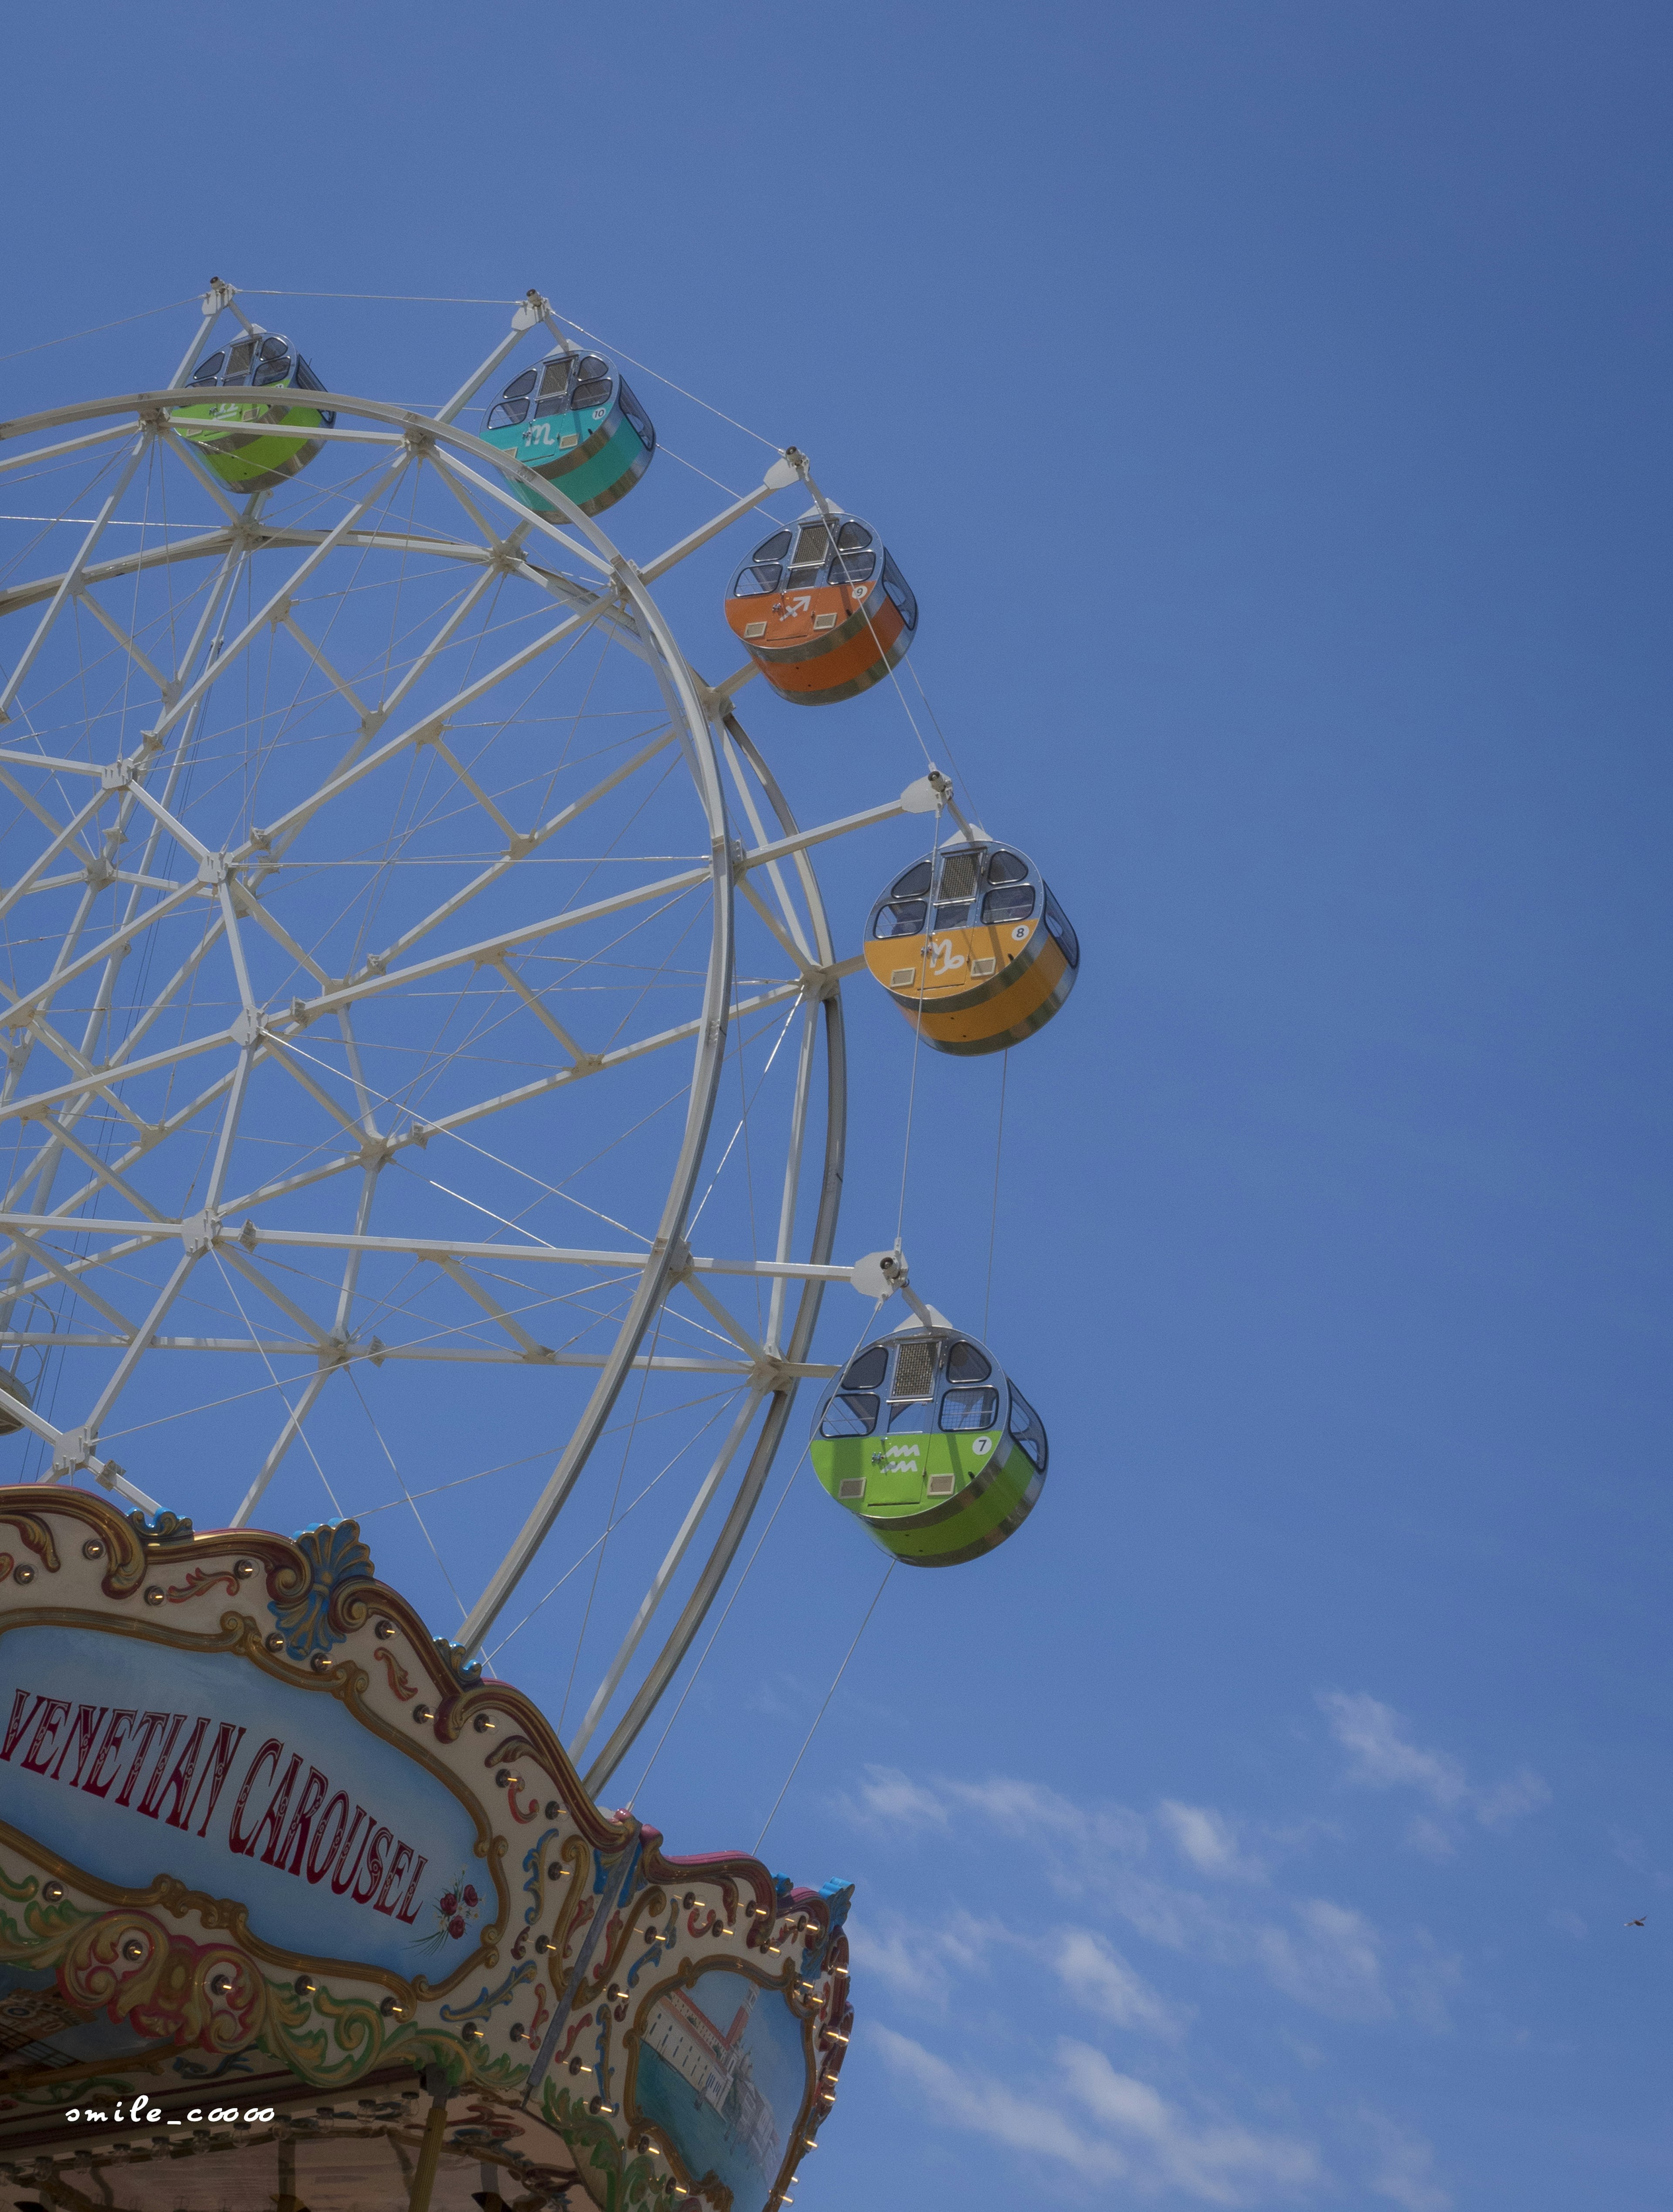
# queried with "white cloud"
point(1331, 1960)
point(1371, 1733)
point(1433, 1977)
point(897, 1959)
point(922, 1964)
point(1207, 1839)
point(888, 1796)
point(1383, 1756)
point(978, 2105)
point(1189, 1880)
point(1218, 2162)
point(1100, 1978)
point(1404, 2169)
point(1135, 2134)
point(1323, 1955)
point(1076, 1842)
point(1428, 1837)
point(1019, 1807)
point(1509, 1801)
point(917, 1962)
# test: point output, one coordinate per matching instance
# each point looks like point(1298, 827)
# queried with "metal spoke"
point(67, 584)
point(671, 1561)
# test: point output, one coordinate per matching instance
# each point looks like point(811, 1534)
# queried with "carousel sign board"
point(256, 1824)
point(129, 1756)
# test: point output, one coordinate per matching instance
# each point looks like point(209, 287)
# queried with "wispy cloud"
point(1431, 1978)
point(1192, 1880)
point(1125, 2130)
point(1075, 1838)
point(1322, 1954)
point(983, 2106)
point(1217, 2161)
point(1404, 2167)
point(1383, 1756)
point(1130, 1928)
point(1329, 1958)
point(1097, 1976)
point(924, 1964)
point(1208, 1840)
point(918, 1962)
point(894, 1800)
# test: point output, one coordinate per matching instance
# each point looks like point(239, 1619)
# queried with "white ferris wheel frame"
point(619, 602)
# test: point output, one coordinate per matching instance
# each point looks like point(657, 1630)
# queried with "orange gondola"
point(829, 620)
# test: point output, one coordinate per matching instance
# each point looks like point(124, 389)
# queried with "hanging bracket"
point(933, 792)
point(880, 1274)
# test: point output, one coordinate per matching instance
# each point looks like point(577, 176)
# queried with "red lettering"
point(151, 1726)
point(344, 1866)
point(91, 1743)
point(393, 1879)
point(45, 1741)
point(318, 1866)
point(99, 1784)
point(271, 1823)
point(373, 1867)
point(155, 1782)
point(403, 1914)
point(78, 1737)
point(273, 1749)
point(17, 1723)
point(227, 1741)
point(289, 1855)
point(177, 1790)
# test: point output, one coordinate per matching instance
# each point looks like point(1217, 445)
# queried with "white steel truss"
point(187, 951)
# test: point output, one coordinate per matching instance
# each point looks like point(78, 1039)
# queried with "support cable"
point(576, 1564)
point(403, 299)
point(431, 299)
point(738, 1591)
point(992, 1225)
point(289, 1409)
point(354, 1382)
point(828, 1695)
point(917, 1031)
point(929, 708)
point(771, 445)
point(610, 1518)
point(167, 308)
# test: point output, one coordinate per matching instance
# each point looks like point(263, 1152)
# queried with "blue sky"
point(1267, 403)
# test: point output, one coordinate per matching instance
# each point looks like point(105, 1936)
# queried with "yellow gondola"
point(983, 963)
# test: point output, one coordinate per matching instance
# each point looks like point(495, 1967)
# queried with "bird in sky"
point(1635, 1923)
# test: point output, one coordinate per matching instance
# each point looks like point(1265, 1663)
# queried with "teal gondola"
point(574, 420)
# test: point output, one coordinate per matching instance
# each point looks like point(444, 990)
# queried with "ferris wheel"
point(426, 1073)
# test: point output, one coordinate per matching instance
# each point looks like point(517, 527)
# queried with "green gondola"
point(925, 1439)
point(573, 421)
point(251, 460)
